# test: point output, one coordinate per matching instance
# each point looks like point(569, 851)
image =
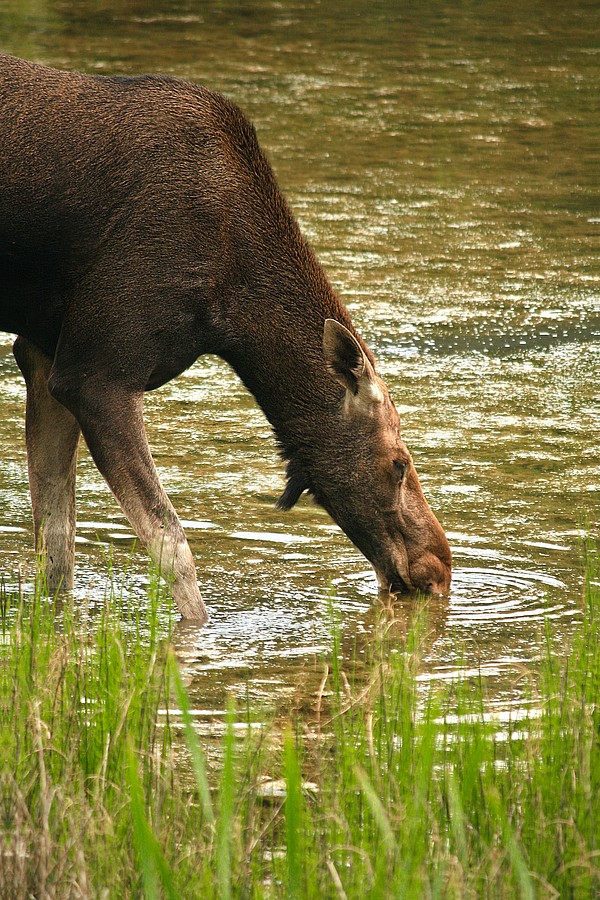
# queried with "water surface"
point(442, 162)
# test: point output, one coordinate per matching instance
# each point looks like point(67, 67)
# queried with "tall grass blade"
point(457, 819)
point(226, 808)
point(377, 809)
point(518, 864)
point(192, 741)
point(293, 815)
point(154, 870)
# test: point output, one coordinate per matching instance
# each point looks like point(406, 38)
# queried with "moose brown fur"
point(140, 227)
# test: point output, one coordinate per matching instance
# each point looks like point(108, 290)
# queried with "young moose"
point(141, 226)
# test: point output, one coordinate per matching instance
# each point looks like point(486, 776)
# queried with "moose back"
point(140, 227)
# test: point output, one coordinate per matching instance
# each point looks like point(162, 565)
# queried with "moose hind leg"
point(113, 426)
point(52, 436)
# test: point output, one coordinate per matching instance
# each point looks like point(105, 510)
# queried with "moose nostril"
point(435, 586)
point(430, 575)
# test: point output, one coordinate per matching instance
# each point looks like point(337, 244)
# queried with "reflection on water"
point(442, 165)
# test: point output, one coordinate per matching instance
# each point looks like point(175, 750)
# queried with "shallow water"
point(442, 163)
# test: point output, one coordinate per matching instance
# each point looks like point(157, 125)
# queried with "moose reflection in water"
point(140, 227)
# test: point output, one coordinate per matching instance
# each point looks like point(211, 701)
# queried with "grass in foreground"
point(412, 792)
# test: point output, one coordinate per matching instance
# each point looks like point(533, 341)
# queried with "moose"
point(141, 226)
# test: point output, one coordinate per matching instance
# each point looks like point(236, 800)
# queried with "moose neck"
point(279, 305)
point(279, 357)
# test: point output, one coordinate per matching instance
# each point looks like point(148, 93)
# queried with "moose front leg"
point(52, 436)
point(112, 423)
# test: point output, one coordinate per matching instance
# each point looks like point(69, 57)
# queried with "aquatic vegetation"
point(394, 786)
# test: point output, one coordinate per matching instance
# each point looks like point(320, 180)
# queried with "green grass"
point(414, 791)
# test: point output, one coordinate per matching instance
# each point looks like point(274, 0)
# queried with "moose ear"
point(348, 363)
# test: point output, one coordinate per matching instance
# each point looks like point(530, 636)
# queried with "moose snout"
point(430, 574)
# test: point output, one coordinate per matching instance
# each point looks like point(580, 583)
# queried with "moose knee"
point(31, 361)
point(88, 398)
point(64, 390)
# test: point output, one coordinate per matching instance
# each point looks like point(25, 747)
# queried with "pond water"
point(441, 159)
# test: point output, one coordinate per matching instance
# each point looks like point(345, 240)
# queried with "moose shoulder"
point(141, 226)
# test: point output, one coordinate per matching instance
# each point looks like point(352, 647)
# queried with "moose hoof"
point(192, 609)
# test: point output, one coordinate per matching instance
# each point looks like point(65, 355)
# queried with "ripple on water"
point(498, 594)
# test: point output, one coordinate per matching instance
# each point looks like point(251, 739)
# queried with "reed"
point(396, 788)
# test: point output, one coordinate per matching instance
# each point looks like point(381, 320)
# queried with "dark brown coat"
point(141, 226)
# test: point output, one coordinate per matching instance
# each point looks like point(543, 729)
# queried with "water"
point(442, 162)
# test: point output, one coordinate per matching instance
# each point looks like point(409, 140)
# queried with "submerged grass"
point(393, 789)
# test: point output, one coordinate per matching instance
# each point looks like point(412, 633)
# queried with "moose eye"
point(399, 470)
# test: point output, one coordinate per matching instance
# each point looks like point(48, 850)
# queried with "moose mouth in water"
point(140, 227)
